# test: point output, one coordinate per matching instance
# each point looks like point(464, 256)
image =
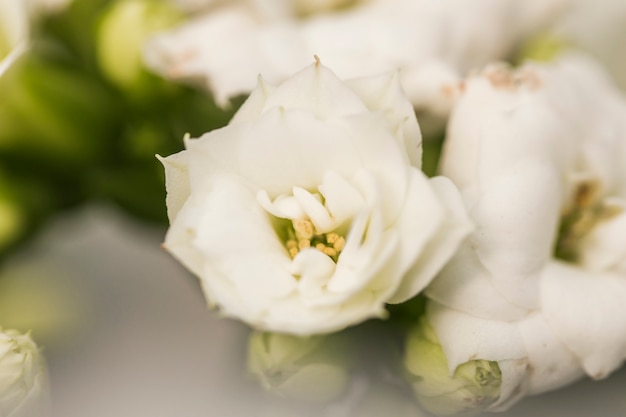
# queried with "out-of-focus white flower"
point(600, 29)
point(431, 42)
point(46, 6)
point(15, 25)
point(538, 154)
point(23, 379)
point(14, 29)
point(123, 29)
point(313, 368)
point(308, 212)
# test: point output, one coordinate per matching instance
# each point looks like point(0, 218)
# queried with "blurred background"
point(124, 328)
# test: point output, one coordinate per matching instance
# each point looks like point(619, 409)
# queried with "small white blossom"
point(308, 212)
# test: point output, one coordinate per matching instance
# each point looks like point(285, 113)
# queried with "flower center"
point(301, 234)
point(579, 218)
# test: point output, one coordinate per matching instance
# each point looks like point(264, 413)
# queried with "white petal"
point(551, 364)
point(465, 338)
point(252, 108)
point(362, 251)
point(235, 235)
point(316, 89)
point(342, 199)
point(180, 236)
point(586, 310)
point(284, 206)
point(452, 226)
point(316, 211)
point(383, 93)
point(314, 269)
point(464, 284)
point(289, 316)
point(516, 222)
point(176, 182)
point(514, 384)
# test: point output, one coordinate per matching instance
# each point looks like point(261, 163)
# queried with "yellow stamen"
point(304, 228)
point(332, 237)
point(339, 244)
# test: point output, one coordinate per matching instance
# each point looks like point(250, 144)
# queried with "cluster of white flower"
point(309, 213)
point(432, 43)
point(538, 154)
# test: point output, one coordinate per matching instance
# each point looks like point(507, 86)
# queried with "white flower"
point(433, 43)
point(599, 28)
point(538, 154)
point(308, 212)
point(23, 380)
point(14, 28)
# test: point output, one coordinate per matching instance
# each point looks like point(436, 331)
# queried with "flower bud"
point(313, 368)
point(23, 380)
point(474, 385)
point(122, 32)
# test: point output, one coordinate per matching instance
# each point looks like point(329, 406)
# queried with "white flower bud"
point(473, 385)
point(312, 368)
point(23, 379)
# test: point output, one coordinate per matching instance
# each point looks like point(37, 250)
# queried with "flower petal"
point(444, 212)
point(235, 235)
point(492, 340)
point(551, 364)
point(464, 284)
point(590, 317)
point(176, 182)
point(384, 93)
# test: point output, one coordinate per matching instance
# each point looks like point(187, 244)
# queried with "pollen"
point(304, 228)
point(303, 235)
point(585, 212)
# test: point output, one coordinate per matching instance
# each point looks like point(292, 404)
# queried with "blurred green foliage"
point(71, 133)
